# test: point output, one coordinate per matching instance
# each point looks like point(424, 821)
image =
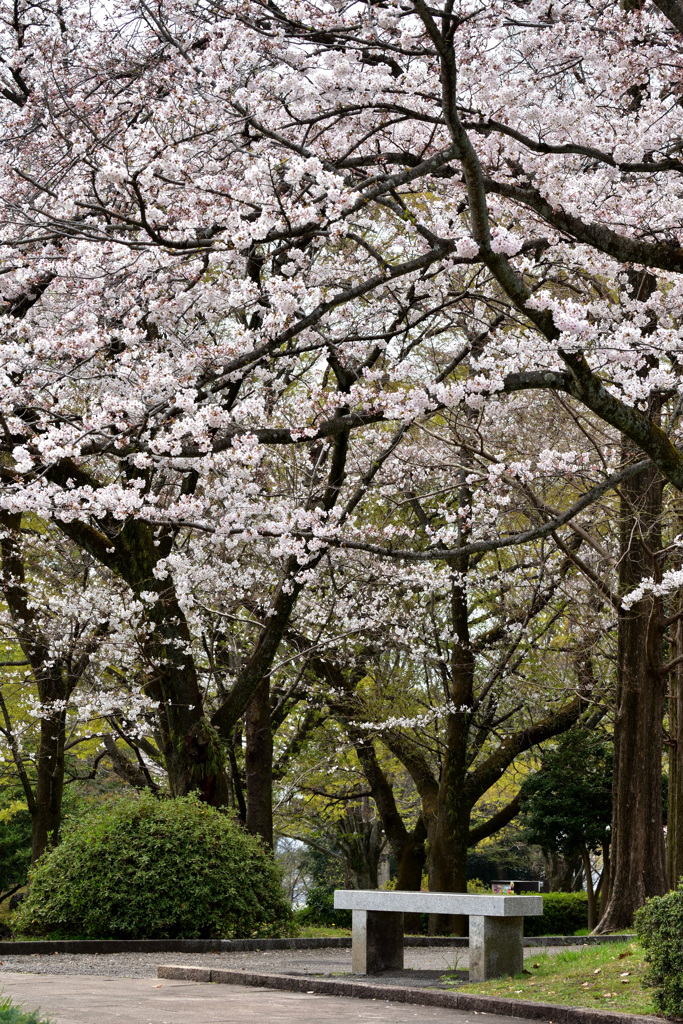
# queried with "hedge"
point(564, 913)
point(141, 867)
point(659, 925)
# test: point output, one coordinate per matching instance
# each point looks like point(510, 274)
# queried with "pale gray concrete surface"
point(397, 901)
point(496, 924)
point(377, 942)
point(79, 999)
point(495, 947)
point(281, 961)
point(324, 962)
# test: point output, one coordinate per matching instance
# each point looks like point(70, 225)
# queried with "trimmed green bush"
point(146, 868)
point(563, 914)
point(659, 925)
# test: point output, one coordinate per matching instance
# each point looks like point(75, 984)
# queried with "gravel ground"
point(285, 961)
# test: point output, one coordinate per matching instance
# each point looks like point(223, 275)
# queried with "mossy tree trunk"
point(674, 834)
point(258, 764)
point(638, 860)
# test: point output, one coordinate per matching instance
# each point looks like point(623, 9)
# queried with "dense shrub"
point(146, 868)
point(563, 914)
point(660, 929)
point(319, 910)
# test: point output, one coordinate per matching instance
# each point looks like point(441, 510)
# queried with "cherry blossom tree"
point(61, 632)
point(251, 247)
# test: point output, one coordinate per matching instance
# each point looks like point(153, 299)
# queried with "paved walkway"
point(326, 962)
point(89, 999)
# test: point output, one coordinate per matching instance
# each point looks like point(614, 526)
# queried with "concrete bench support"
point(377, 943)
point(496, 927)
point(495, 947)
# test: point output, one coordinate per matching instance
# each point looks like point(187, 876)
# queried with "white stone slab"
point(438, 903)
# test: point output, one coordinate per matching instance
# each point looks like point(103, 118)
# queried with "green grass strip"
point(608, 976)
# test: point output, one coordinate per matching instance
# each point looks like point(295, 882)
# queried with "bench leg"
point(495, 947)
point(377, 943)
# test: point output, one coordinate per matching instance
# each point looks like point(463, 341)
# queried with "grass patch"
point(609, 976)
point(305, 931)
point(12, 1014)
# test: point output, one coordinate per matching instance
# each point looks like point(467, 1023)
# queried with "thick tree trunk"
point(192, 750)
point(411, 863)
point(258, 761)
point(638, 856)
point(560, 873)
point(674, 845)
point(411, 860)
point(448, 867)
point(448, 830)
point(46, 817)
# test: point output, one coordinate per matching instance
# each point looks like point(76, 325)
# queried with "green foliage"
point(476, 885)
point(563, 914)
point(146, 868)
point(320, 910)
point(11, 1014)
point(503, 855)
point(567, 805)
point(659, 925)
point(15, 843)
point(325, 869)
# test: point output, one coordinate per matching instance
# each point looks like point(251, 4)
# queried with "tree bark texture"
point(46, 817)
point(638, 861)
point(674, 844)
point(258, 763)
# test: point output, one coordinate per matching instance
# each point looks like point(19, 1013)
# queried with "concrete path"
point(326, 962)
point(97, 999)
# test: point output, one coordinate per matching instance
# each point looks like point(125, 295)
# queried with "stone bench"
point(495, 927)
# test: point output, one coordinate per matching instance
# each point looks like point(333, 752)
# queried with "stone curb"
point(550, 1012)
point(20, 948)
point(27, 948)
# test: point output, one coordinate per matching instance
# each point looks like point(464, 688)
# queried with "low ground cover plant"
point(660, 929)
point(10, 1013)
point(140, 867)
point(610, 976)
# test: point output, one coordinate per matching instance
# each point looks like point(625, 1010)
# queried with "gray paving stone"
point(81, 999)
point(326, 962)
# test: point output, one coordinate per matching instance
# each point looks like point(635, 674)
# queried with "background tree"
point(566, 806)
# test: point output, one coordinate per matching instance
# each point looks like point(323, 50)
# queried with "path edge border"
point(549, 1012)
point(28, 947)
